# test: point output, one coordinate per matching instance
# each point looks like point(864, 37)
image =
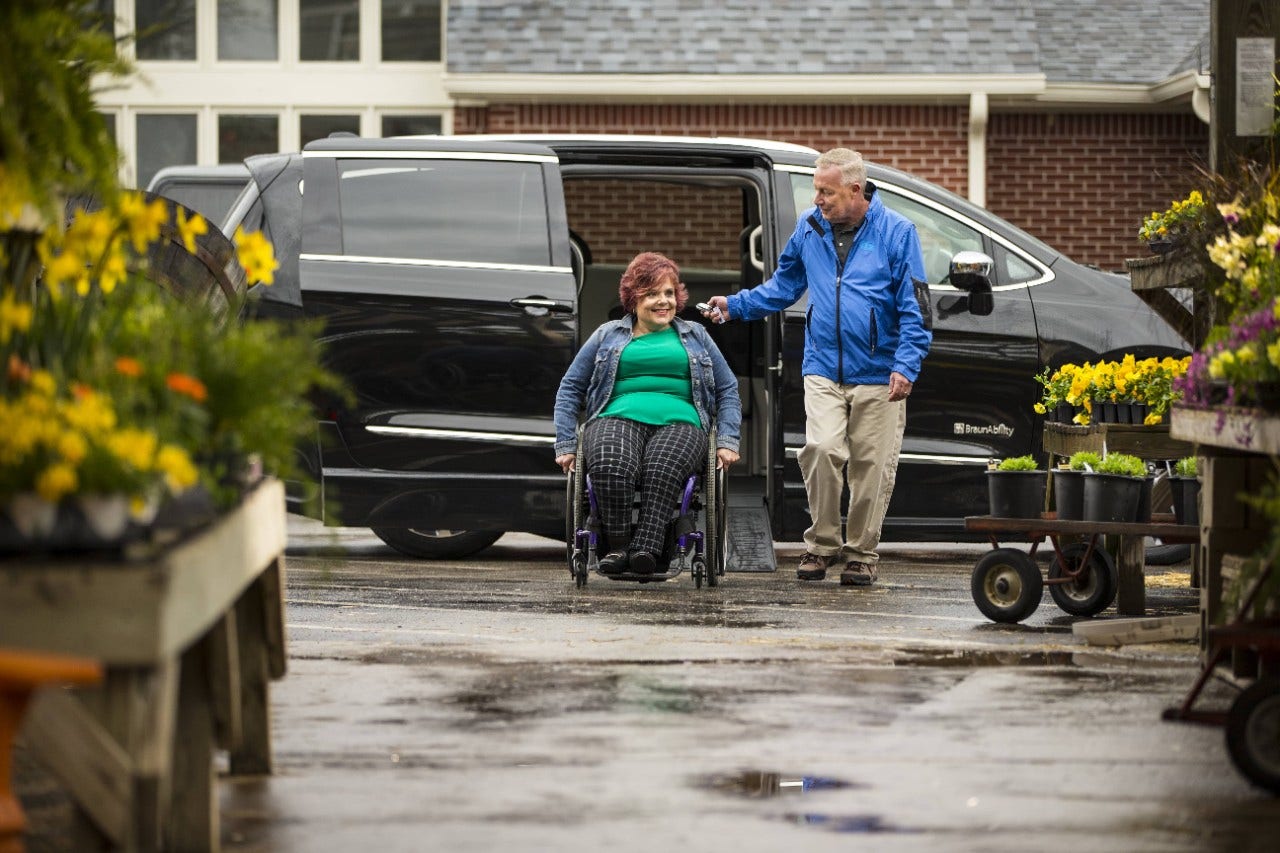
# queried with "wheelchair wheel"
point(574, 515)
point(1253, 733)
point(714, 513)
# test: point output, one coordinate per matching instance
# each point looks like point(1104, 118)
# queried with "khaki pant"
point(853, 431)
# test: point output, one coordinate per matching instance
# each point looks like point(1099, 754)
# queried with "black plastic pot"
point(1112, 497)
point(1186, 499)
point(1016, 494)
point(1068, 494)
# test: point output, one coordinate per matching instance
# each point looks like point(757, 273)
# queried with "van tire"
point(437, 544)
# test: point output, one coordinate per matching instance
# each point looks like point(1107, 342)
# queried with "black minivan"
point(456, 277)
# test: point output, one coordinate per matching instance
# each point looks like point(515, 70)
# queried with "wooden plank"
point(85, 758)
point(1145, 442)
point(273, 587)
point(1171, 310)
point(1038, 528)
point(140, 612)
point(1131, 596)
point(192, 820)
point(1250, 430)
point(223, 642)
point(1178, 268)
point(252, 755)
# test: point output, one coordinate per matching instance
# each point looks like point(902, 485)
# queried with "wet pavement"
point(487, 704)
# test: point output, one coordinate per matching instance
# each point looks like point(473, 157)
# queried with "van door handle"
point(545, 304)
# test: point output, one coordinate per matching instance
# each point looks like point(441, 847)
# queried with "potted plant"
point(1166, 230)
point(1113, 490)
point(1015, 487)
point(1184, 485)
point(1068, 484)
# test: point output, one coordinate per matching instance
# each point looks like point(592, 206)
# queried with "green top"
point(653, 382)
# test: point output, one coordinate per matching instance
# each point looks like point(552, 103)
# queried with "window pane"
point(166, 29)
point(318, 127)
point(330, 30)
point(411, 125)
point(243, 136)
point(164, 140)
point(247, 29)
point(411, 30)
point(447, 210)
point(940, 235)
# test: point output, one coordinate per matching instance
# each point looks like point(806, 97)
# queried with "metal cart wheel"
point(1006, 585)
point(1093, 589)
point(1253, 733)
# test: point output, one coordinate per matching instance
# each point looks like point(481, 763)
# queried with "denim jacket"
point(588, 384)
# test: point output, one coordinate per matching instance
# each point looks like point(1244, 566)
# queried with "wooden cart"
point(189, 637)
point(1083, 578)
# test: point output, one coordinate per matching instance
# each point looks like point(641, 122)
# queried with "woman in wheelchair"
point(648, 387)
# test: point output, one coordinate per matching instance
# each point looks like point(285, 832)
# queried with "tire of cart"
point(1006, 585)
point(1253, 733)
point(1094, 585)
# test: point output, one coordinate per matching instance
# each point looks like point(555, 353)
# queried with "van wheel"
point(437, 544)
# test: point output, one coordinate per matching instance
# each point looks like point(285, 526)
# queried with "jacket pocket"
point(872, 336)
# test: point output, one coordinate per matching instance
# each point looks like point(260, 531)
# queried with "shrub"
point(1084, 460)
point(1018, 463)
point(1122, 463)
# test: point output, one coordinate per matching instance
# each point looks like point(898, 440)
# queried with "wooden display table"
point(189, 638)
point(1145, 442)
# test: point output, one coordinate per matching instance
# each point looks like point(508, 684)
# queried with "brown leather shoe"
point(858, 574)
point(813, 567)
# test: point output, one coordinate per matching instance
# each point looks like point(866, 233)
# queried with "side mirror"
point(971, 271)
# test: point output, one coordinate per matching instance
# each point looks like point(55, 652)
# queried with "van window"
point(444, 210)
point(941, 236)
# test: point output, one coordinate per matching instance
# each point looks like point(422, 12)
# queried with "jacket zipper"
point(874, 336)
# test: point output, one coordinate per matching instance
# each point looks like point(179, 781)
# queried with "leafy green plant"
point(1018, 463)
point(1123, 464)
point(1186, 467)
point(1084, 460)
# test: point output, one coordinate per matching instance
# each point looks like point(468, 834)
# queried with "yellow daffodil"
point(56, 482)
point(256, 256)
point(15, 316)
point(142, 219)
point(190, 229)
point(179, 472)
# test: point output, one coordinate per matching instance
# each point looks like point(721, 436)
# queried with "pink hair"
point(646, 272)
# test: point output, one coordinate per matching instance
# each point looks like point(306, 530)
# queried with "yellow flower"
point(136, 447)
point(72, 447)
point(15, 316)
point(179, 472)
point(42, 382)
point(56, 481)
point(113, 272)
point(1151, 419)
point(190, 229)
point(144, 220)
point(256, 256)
point(1039, 408)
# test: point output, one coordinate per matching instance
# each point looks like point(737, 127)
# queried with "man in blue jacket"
point(865, 339)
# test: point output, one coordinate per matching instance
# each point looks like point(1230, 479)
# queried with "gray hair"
point(849, 162)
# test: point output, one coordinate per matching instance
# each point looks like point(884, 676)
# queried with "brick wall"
point(1081, 183)
point(1084, 183)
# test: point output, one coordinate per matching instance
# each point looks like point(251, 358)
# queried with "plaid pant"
point(622, 453)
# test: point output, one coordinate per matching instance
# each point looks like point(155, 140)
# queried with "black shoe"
point(614, 563)
point(643, 563)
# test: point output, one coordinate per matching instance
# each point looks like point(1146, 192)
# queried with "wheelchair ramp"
point(750, 539)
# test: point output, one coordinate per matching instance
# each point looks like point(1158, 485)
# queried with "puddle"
point(759, 784)
point(868, 824)
point(984, 657)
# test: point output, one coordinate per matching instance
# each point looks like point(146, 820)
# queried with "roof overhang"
point(1005, 90)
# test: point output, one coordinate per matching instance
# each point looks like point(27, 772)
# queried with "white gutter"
point(978, 148)
point(866, 88)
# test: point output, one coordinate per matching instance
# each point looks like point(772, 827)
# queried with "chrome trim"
point(425, 262)
point(434, 155)
point(931, 458)
point(466, 435)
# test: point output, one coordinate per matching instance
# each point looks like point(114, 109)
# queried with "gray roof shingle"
point(1107, 41)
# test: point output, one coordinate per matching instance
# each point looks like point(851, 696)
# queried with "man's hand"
point(899, 387)
point(719, 312)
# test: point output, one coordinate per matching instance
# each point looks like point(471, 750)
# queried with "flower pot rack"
point(1152, 277)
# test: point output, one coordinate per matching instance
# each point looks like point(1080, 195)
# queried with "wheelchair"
point(695, 538)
